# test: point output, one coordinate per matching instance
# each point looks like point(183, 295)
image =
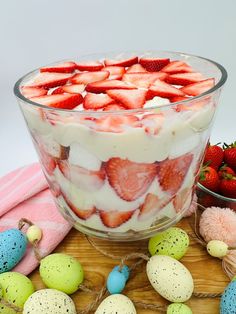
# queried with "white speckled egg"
point(49, 301)
point(116, 304)
point(171, 279)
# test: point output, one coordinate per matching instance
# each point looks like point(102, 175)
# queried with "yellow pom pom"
point(34, 234)
point(217, 248)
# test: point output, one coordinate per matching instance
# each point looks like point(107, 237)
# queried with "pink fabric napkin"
point(24, 193)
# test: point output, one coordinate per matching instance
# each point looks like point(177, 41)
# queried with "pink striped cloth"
point(24, 193)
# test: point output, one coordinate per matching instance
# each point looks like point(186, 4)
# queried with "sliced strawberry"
point(115, 123)
point(152, 123)
point(101, 87)
point(124, 62)
point(196, 89)
point(178, 98)
point(131, 99)
point(48, 80)
point(70, 89)
point(130, 179)
point(162, 89)
point(89, 66)
point(113, 107)
point(191, 105)
point(116, 72)
point(65, 67)
point(136, 68)
point(153, 64)
point(177, 67)
point(97, 101)
point(56, 91)
point(184, 78)
point(171, 172)
point(29, 92)
point(81, 213)
point(150, 205)
point(180, 199)
point(143, 79)
point(62, 101)
point(48, 161)
point(115, 218)
point(89, 77)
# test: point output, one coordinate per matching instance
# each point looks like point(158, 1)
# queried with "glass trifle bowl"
point(121, 138)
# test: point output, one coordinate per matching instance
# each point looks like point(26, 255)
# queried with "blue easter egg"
point(12, 248)
point(228, 299)
point(125, 271)
point(115, 282)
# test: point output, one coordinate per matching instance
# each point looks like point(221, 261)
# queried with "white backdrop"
point(37, 32)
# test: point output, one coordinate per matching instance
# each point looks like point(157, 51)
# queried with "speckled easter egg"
point(12, 248)
point(16, 288)
point(228, 299)
point(173, 242)
point(61, 272)
point(178, 308)
point(116, 304)
point(170, 278)
point(49, 301)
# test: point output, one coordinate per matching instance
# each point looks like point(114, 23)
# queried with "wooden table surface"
point(206, 271)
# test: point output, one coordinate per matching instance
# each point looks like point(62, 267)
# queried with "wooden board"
point(206, 271)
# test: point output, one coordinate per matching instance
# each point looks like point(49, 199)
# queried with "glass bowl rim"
point(224, 198)
point(221, 82)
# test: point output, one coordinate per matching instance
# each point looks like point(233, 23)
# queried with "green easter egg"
point(173, 242)
point(1, 292)
point(16, 288)
point(61, 272)
point(217, 248)
point(178, 308)
point(234, 278)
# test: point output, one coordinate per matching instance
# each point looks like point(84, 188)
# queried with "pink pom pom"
point(218, 224)
point(192, 207)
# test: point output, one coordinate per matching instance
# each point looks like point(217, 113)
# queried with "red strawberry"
point(101, 87)
point(81, 213)
point(116, 72)
point(209, 178)
point(97, 101)
point(62, 101)
point(177, 67)
point(115, 123)
point(48, 80)
point(162, 89)
point(136, 68)
point(115, 218)
point(71, 89)
point(228, 186)
point(195, 105)
point(198, 88)
point(129, 179)
point(56, 91)
point(29, 92)
point(214, 155)
point(230, 155)
point(114, 107)
point(131, 99)
point(171, 172)
point(152, 123)
point(65, 67)
point(178, 98)
point(225, 170)
point(184, 78)
point(48, 161)
point(150, 205)
point(89, 66)
point(180, 199)
point(153, 64)
point(124, 63)
point(89, 77)
point(143, 79)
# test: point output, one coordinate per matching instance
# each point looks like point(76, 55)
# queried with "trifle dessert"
point(121, 137)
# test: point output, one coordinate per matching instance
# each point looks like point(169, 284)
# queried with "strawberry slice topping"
point(89, 77)
point(143, 79)
point(103, 86)
point(115, 218)
point(97, 101)
point(124, 62)
point(171, 172)
point(129, 179)
point(178, 98)
point(70, 89)
point(115, 123)
point(113, 107)
point(184, 78)
point(48, 80)
point(191, 105)
point(153, 64)
point(136, 68)
point(116, 72)
point(196, 89)
point(81, 213)
point(164, 90)
point(89, 66)
point(177, 67)
point(29, 92)
point(65, 67)
point(131, 99)
point(61, 101)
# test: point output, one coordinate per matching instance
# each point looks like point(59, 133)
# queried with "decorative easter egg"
point(234, 278)
point(12, 247)
point(125, 271)
point(49, 301)
point(178, 308)
point(16, 288)
point(116, 282)
point(173, 242)
point(61, 272)
point(1, 292)
point(34, 234)
point(217, 248)
point(228, 299)
point(170, 278)
point(116, 304)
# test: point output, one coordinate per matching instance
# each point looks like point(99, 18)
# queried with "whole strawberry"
point(228, 186)
point(225, 170)
point(230, 155)
point(214, 156)
point(209, 178)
